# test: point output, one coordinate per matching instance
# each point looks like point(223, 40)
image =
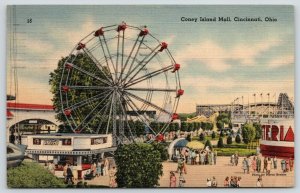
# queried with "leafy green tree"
point(248, 133)
point(138, 166)
point(213, 135)
point(238, 139)
point(184, 126)
point(229, 140)
point(220, 142)
point(222, 133)
point(201, 137)
point(223, 118)
point(76, 95)
point(258, 130)
point(32, 175)
point(208, 144)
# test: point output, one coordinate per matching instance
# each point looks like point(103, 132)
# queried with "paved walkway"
point(197, 174)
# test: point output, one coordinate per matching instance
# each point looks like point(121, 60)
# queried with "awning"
point(195, 145)
point(181, 143)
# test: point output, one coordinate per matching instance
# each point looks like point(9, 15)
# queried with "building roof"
point(26, 106)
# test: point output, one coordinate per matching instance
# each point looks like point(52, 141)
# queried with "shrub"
point(138, 166)
point(208, 144)
point(220, 142)
point(188, 137)
point(238, 139)
point(32, 175)
point(229, 140)
point(201, 137)
point(213, 135)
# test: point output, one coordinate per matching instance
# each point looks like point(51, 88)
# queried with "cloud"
point(216, 57)
point(282, 61)
point(34, 46)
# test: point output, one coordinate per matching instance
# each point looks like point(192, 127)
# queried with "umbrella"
point(181, 143)
point(195, 145)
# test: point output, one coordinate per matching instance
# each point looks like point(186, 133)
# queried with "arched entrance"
point(30, 126)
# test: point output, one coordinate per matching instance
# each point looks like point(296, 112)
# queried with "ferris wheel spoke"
point(134, 58)
point(135, 109)
point(109, 54)
point(104, 107)
point(125, 114)
point(90, 87)
point(152, 89)
point(147, 102)
point(106, 60)
point(122, 61)
point(110, 112)
point(92, 111)
point(90, 74)
point(142, 65)
point(86, 101)
point(91, 56)
point(117, 59)
point(104, 115)
point(148, 76)
point(128, 58)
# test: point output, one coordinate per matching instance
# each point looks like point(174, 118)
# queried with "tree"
point(248, 133)
point(201, 137)
point(223, 118)
point(229, 140)
point(222, 133)
point(213, 135)
point(78, 95)
point(139, 166)
point(184, 126)
point(208, 144)
point(220, 142)
point(32, 175)
point(238, 139)
point(258, 130)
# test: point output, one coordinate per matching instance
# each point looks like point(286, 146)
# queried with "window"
point(36, 141)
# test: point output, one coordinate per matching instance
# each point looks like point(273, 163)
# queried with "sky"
point(220, 61)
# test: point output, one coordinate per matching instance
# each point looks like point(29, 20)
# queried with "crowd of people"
point(196, 157)
point(258, 164)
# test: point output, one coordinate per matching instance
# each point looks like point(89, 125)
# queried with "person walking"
point(181, 180)
point(172, 180)
point(283, 165)
point(215, 157)
point(258, 164)
point(112, 177)
point(106, 166)
point(265, 164)
point(245, 165)
point(248, 164)
point(214, 182)
point(253, 165)
point(259, 182)
point(269, 165)
point(197, 158)
point(226, 182)
point(208, 182)
point(236, 159)
point(275, 162)
point(69, 175)
point(238, 183)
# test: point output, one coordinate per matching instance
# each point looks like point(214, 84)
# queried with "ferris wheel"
point(119, 79)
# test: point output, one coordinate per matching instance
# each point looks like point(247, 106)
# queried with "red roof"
point(9, 114)
point(25, 106)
